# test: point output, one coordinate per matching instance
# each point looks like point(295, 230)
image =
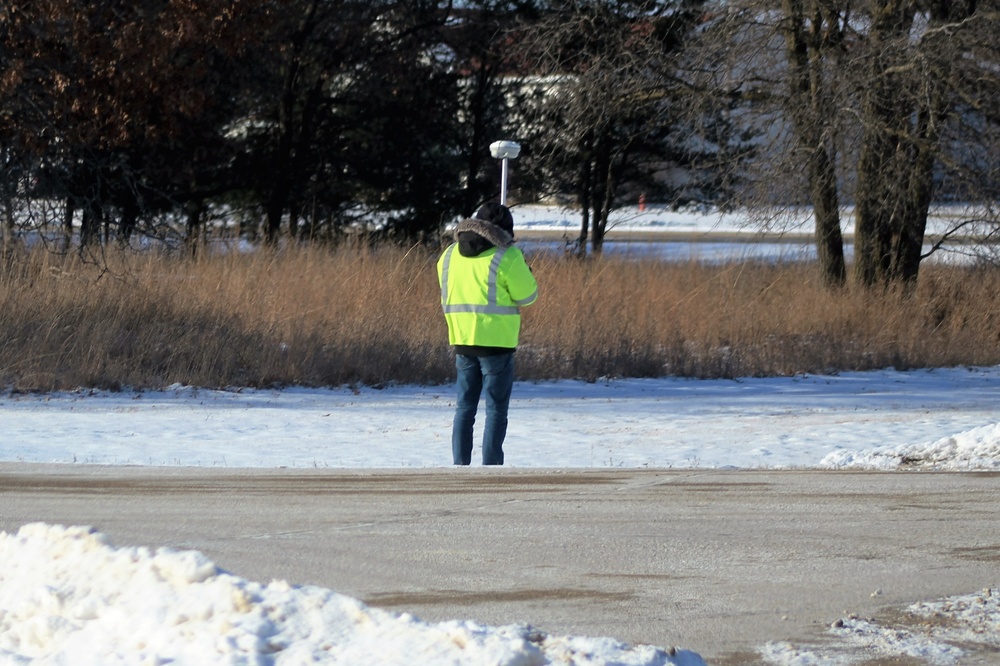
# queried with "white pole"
point(503, 182)
point(504, 151)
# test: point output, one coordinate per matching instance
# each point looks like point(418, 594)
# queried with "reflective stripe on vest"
point(491, 306)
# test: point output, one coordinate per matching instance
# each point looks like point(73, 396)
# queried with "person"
point(484, 282)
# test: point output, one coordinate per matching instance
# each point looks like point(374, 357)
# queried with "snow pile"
point(975, 449)
point(67, 595)
point(941, 633)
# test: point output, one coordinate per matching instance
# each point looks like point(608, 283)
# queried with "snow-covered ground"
point(67, 596)
point(709, 235)
point(940, 419)
point(707, 220)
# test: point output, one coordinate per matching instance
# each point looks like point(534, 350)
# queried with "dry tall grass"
point(625, 318)
point(362, 316)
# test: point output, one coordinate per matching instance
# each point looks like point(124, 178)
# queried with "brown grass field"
point(321, 317)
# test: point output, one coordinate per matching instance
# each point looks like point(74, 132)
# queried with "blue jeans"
point(475, 373)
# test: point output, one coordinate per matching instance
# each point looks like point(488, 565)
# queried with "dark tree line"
point(303, 119)
point(115, 108)
point(294, 117)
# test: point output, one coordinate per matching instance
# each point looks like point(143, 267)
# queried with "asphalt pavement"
point(714, 561)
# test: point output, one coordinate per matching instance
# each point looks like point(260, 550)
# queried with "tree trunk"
point(581, 241)
point(826, 206)
point(281, 186)
point(586, 196)
point(932, 103)
point(129, 221)
point(603, 188)
point(8, 222)
point(293, 128)
point(884, 206)
point(810, 117)
point(474, 163)
point(67, 227)
point(909, 238)
point(871, 231)
point(90, 225)
point(294, 218)
point(194, 227)
point(278, 199)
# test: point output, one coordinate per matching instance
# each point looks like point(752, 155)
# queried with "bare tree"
point(929, 71)
point(814, 38)
point(882, 104)
point(601, 118)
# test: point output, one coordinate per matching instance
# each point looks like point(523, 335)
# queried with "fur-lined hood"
point(489, 231)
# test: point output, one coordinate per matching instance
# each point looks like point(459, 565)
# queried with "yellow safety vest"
point(482, 296)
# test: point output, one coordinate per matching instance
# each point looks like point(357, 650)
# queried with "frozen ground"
point(65, 594)
point(945, 419)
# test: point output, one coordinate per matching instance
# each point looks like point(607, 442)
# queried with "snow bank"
point(975, 449)
point(68, 595)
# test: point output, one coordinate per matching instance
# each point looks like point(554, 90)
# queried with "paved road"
point(714, 561)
